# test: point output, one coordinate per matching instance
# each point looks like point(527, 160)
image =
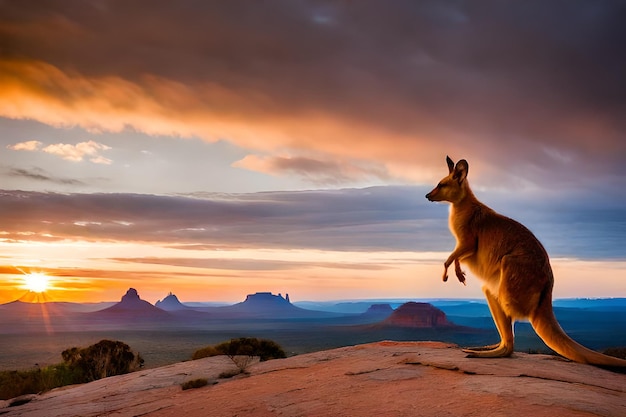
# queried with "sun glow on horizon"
point(228, 275)
point(37, 282)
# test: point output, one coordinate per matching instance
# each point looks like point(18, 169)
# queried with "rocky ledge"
point(377, 379)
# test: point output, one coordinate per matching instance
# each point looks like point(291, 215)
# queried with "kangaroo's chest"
point(475, 234)
point(463, 227)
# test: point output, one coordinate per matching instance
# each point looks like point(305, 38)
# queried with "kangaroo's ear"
point(450, 163)
point(460, 171)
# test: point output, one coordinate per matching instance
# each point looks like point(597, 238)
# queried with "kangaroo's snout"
point(431, 195)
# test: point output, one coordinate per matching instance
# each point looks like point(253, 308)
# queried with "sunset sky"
point(216, 149)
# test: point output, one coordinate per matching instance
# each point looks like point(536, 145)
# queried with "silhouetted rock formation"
point(265, 299)
point(131, 306)
point(417, 315)
point(171, 303)
point(268, 305)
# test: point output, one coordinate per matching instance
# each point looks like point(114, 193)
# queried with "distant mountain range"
point(54, 307)
point(169, 330)
point(170, 313)
point(131, 311)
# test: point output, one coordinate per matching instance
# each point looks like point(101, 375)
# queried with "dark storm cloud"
point(531, 90)
point(377, 218)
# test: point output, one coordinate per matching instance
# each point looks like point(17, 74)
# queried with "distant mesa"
point(266, 299)
point(171, 303)
point(265, 303)
point(417, 315)
point(268, 305)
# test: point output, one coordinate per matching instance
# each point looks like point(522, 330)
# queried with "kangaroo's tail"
point(549, 330)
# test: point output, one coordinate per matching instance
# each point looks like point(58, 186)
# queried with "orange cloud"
point(157, 106)
point(31, 145)
point(323, 142)
point(401, 85)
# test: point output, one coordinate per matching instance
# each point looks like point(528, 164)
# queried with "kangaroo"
point(514, 267)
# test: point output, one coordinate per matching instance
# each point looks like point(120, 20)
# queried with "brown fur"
point(513, 266)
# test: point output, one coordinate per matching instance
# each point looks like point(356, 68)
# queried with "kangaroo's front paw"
point(461, 276)
point(446, 265)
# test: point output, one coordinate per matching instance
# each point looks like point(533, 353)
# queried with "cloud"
point(511, 86)
point(249, 264)
point(87, 273)
point(74, 153)
point(31, 145)
point(41, 175)
point(316, 171)
point(78, 152)
point(372, 219)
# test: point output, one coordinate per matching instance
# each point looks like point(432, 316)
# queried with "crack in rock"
point(449, 367)
point(545, 378)
point(446, 367)
point(367, 371)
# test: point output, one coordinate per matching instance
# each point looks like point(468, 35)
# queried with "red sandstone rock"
point(377, 379)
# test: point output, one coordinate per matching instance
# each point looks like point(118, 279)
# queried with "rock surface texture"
point(377, 379)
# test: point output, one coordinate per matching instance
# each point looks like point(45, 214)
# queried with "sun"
point(37, 282)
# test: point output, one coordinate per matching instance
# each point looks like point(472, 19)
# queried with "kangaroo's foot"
point(500, 351)
point(480, 348)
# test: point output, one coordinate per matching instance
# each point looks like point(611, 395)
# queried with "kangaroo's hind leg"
point(504, 324)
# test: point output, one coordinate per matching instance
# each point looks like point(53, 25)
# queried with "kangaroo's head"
point(453, 187)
